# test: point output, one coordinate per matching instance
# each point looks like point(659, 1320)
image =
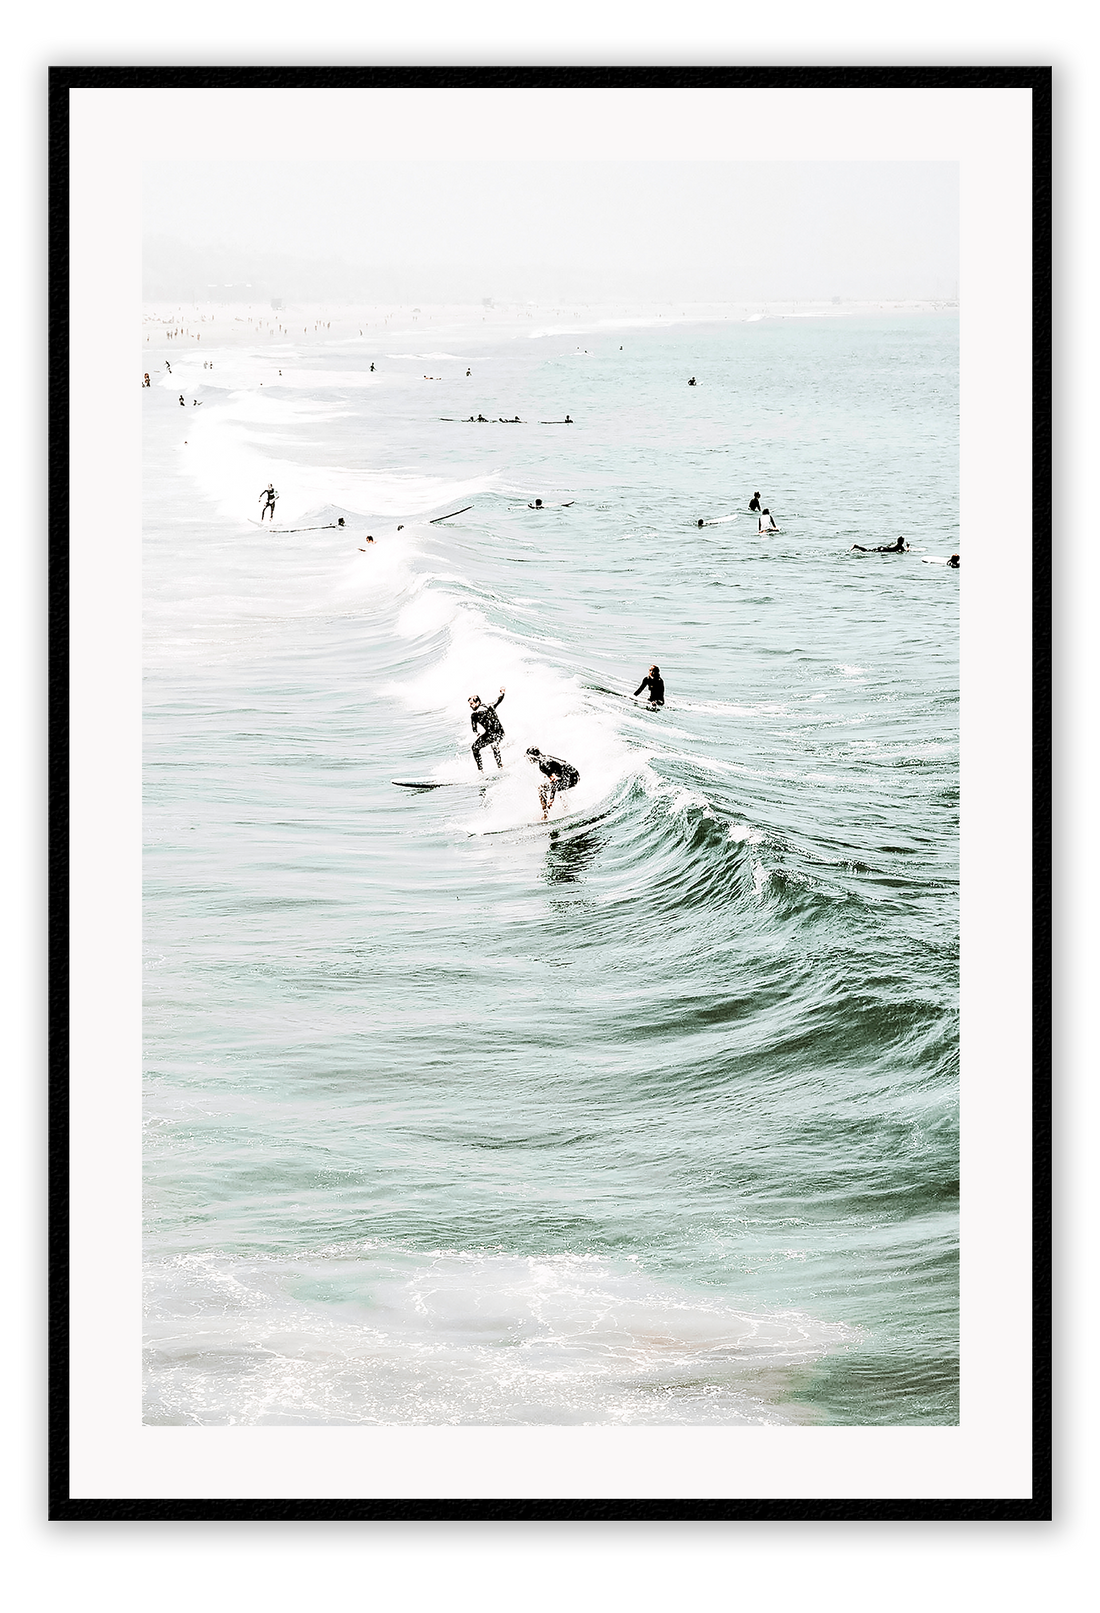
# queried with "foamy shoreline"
point(238, 323)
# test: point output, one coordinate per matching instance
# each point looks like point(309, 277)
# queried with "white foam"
point(461, 1336)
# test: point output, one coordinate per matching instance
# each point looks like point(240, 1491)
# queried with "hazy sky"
point(599, 230)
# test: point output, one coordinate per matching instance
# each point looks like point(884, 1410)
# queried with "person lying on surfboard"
point(486, 717)
point(900, 547)
point(559, 776)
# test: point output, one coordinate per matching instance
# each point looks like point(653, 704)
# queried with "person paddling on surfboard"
point(485, 717)
point(270, 495)
point(559, 776)
point(656, 686)
point(900, 547)
point(953, 562)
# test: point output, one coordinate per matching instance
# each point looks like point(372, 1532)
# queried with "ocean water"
point(647, 1114)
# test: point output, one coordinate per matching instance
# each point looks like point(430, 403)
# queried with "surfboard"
point(447, 783)
point(280, 530)
point(936, 560)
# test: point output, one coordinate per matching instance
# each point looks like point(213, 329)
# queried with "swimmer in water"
point(900, 547)
point(485, 717)
point(270, 495)
point(654, 682)
point(559, 776)
point(537, 505)
point(369, 539)
point(763, 525)
point(700, 522)
point(754, 504)
point(692, 381)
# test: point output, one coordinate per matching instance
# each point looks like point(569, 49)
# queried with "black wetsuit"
point(954, 562)
point(486, 717)
point(567, 777)
point(754, 504)
point(882, 548)
point(656, 687)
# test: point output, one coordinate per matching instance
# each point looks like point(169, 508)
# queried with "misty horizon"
point(550, 232)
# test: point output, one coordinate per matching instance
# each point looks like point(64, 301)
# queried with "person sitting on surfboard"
point(559, 776)
point(754, 504)
point(900, 547)
point(270, 495)
point(486, 717)
point(656, 686)
point(763, 525)
point(954, 562)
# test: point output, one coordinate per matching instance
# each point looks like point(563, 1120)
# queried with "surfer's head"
point(475, 700)
point(533, 753)
point(655, 672)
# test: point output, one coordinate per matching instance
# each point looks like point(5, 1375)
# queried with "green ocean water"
point(645, 1114)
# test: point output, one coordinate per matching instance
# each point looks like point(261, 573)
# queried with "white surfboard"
point(447, 783)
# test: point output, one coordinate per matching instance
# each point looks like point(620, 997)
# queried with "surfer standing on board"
point(485, 717)
point(270, 495)
point(559, 776)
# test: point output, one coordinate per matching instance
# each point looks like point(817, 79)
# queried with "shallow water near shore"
point(647, 1114)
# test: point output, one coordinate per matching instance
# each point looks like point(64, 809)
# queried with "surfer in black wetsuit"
point(559, 776)
point(537, 505)
point(270, 495)
point(692, 381)
point(754, 504)
point(900, 547)
point(656, 686)
point(954, 562)
point(485, 717)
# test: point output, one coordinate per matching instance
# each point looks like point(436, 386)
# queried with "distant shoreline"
point(234, 321)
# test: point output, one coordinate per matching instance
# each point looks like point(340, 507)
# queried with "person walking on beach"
point(485, 717)
point(270, 495)
point(559, 776)
point(656, 686)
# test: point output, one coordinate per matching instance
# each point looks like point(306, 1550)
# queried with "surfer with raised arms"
point(559, 776)
point(270, 495)
point(656, 686)
point(485, 717)
point(900, 547)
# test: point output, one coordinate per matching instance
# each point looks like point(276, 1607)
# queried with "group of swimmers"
point(558, 775)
